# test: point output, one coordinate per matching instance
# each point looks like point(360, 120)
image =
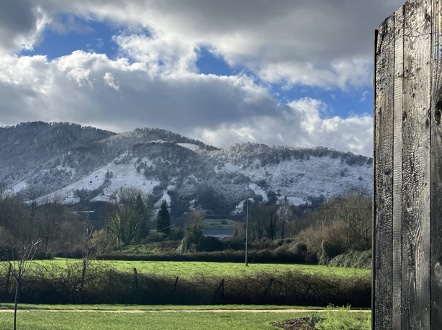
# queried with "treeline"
point(321, 232)
point(247, 153)
point(68, 231)
point(317, 232)
point(52, 223)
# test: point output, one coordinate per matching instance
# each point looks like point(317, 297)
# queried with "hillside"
point(75, 163)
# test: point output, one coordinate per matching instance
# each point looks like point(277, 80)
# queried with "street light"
point(247, 233)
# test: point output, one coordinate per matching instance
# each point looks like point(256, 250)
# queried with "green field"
point(141, 317)
point(188, 269)
point(188, 283)
point(37, 320)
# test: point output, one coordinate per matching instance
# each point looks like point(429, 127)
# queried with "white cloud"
point(110, 81)
point(155, 83)
point(163, 55)
point(314, 43)
point(300, 125)
point(219, 110)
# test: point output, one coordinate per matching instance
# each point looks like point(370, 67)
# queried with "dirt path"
point(178, 310)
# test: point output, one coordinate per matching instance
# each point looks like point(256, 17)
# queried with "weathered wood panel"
point(415, 291)
point(436, 171)
point(383, 169)
point(397, 161)
point(407, 288)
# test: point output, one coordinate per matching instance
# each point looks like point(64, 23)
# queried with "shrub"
point(352, 258)
point(342, 319)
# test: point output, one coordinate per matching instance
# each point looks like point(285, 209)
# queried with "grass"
point(37, 320)
point(118, 307)
point(99, 317)
point(115, 282)
point(341, 319)
point(188, 269)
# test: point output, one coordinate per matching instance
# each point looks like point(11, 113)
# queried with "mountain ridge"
point(76, 163)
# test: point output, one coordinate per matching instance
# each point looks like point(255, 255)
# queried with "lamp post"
point(247, 233)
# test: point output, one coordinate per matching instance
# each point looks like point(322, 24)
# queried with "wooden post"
point(407, 222)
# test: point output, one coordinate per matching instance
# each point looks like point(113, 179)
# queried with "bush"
point(343, 320)
point(328, 252)
point(355, 259)
point(155, 237)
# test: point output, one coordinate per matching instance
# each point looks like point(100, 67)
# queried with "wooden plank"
point(415, 294)
point(383, 169)
point(374, 271)
point(397, 167)
point(436, 171)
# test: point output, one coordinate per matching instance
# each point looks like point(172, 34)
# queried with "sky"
point(295, 73)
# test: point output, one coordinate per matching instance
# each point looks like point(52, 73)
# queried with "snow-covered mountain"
point(75, 163)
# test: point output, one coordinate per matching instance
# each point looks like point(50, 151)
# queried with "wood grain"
point(397, 161)
point(436, 170)
point(415, 288)
point(383, 169)
point(407, 231)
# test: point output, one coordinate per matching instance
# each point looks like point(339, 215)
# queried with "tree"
point(143, 216)
point(285, 213)
point(102, 242)
point(193, 231)
point(19, 267)
point(48, 219)
point(264, 221)
point(163, 219)
point(130, 216)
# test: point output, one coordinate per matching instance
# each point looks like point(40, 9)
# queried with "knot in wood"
point(438, 112)
point(438, 273)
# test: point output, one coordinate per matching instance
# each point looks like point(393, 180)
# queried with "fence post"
point(407, 208)
point(175, 285)
point(135, 280)
point(216, 293)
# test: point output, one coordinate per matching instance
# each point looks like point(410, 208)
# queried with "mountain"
point(75, 163)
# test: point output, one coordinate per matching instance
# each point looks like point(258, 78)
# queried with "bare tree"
point(25, 254)
point(50, 215)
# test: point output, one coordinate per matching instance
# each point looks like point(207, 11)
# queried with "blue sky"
point(293, 73)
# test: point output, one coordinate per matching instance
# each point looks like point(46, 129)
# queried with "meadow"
point(189, 269)
point(82, 317)
point(188, 283)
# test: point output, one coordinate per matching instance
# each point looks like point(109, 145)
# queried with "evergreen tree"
point(143, 216)
point(163, 219)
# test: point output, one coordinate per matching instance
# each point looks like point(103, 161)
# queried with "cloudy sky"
point(280, 72)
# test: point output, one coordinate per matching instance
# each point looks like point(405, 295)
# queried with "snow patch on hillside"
point(66, 169)
point(19, 187)
point(259, 191)
point(298, 181)
point(106, 181)
point(189, 146)
point(165, 197)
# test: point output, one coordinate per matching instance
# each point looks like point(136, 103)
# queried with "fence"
point(106, 286)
